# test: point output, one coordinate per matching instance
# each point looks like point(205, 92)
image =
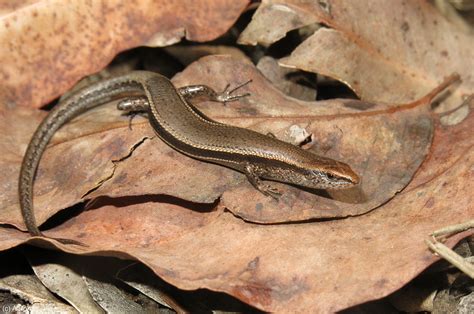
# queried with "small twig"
point(451, 230)
point(442, 250)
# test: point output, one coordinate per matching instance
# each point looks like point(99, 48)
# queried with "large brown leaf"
point(48, 45)
point(392, 51)
point(317, 266)
point(385, 145)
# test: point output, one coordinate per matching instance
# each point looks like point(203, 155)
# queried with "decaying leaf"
point(193, 223)
point(142, 279)
point(326, 265)
point(449, 144)
point(288, 17)
point(112, 299)
point(298, 266)
point(281, 79)
point(188, 54)
point(34, 296)
point(386, 51)
point(48, 47)
point(63, 280)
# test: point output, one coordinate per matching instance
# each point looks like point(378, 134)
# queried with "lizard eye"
point(330, 176)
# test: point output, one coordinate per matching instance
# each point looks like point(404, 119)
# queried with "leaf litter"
point(413, 167)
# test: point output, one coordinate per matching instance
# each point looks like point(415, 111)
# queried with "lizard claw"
point(226, 94)
point(271, 191)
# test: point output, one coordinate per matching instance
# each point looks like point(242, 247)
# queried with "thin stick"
point(448, 254)
point(452, 257)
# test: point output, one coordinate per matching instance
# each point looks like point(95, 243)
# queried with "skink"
point(183, 127)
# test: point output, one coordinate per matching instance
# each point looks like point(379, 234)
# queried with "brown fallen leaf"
point(384, 145)
point(282, 78)
point(444, 153)
point(309, 266)
point(28, 288)
point(324, 266)
point(321, 266)
point(386, 51)
point(289, 17)
point(188, 54)
point(50, 45)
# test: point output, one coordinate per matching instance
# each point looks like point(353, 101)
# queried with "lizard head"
point(330, 174)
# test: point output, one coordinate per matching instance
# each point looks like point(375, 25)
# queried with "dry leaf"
point(62, 279)
point(324, 266)
point(35, 298)
point(142, 279)
point(386, 51)
point(281, 78)
point(449, 145)
point(50, 45)
point(111, 298)
point(264, 31)
point(310, 266)
point(188, 54)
